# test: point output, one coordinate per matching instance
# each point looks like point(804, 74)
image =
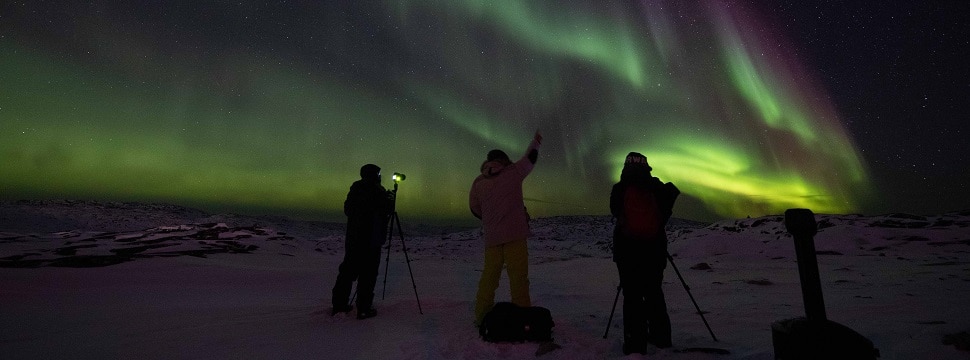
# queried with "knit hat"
point(636, 159)
point(370, 171)
point(496, 155)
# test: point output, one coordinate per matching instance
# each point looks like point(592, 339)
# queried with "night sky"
point(750, 107)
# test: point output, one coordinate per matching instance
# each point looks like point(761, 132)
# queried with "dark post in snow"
point(814, 336)
point(802, 226)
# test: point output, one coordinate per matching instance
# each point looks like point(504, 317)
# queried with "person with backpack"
point(368, 208)
point(642, 204)
point(496, 199)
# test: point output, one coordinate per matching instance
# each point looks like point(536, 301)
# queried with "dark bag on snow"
point(507, 322)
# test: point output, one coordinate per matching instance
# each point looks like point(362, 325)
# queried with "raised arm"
point(533, 151)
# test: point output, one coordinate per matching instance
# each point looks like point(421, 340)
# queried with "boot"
point(634, 344)
point(341, 309)
point(366, 313)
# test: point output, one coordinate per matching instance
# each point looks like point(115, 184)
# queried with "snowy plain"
point(98, 280)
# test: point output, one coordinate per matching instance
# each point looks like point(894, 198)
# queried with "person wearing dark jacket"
point(642, 205)
point(368, 208)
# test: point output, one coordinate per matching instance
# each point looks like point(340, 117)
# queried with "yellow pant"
point(515, 256)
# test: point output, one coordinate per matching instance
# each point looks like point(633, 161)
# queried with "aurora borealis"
point(274, 106)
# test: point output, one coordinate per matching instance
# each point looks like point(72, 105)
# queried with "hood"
point(494, 167)
point(636, 174)
point(370, 172)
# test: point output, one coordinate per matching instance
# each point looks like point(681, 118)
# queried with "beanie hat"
point(496, 155)
point(370, 171)
point(636, 159)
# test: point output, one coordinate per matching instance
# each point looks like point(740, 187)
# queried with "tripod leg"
point(408, 259)
point(610, 322)
point(699, 312)
point(387, 261)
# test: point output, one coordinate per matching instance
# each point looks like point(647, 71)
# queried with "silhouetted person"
point(496, 199)
point(642, 204)
point(368, 207)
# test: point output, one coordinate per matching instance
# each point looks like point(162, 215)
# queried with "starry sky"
point(750, 107)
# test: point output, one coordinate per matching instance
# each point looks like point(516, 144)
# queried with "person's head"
point(495, 161)
point(635, 159)
point(370, 172)
point(497, 155)
point(635, 168)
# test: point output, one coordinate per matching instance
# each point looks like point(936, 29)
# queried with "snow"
point(123, 280)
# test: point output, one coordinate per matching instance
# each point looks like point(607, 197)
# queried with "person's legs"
point(517, 262)
point(656, 309)
point(346, 275)
point(634, 318)
point(491, 273)
point(370, 263)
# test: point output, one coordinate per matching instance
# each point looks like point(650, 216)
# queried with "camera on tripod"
point(395, 220)
point(397, 178)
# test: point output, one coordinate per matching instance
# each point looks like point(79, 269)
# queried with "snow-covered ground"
point(119, 280)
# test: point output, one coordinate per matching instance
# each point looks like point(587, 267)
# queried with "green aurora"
point(253, 115)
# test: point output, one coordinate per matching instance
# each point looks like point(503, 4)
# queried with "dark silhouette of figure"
point(642, 204)
point(496, 199)
point(368, 207)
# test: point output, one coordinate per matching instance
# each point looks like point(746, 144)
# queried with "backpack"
point(507, 322)
point(641, 212)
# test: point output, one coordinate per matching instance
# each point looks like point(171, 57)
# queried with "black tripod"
point(390, 235)
point(699, 312)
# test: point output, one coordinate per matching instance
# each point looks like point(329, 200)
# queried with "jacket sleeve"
point(352, 203)
point(387, 199)
point(533, 150)
point(616, 201)
point(475, 200)
point(669, 196)
point(527, 162)
point(363, 200)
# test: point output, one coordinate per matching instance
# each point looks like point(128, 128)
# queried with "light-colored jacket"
point(496, 198)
